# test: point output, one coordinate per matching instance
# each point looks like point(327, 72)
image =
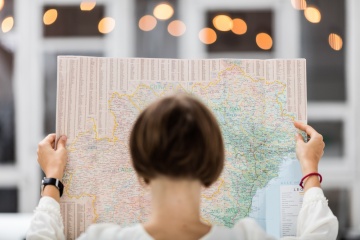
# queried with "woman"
point(177, 148)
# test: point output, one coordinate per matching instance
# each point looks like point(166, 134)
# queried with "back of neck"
point(175, 209)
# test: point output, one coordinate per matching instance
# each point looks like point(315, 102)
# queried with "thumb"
point(61, 142)
point(299, 138)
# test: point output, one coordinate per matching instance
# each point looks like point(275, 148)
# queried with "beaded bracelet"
point(308, 175)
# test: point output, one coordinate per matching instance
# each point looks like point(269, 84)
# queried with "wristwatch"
point(52, 181)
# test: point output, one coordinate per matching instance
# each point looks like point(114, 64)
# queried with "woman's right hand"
point(309, 153)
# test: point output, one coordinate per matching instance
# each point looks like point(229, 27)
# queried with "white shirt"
point(315, 222)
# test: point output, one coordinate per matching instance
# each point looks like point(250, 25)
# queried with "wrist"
point(314, 182)
point(52, 183)
point(308, 170)
point(51, 191)
point(54, 175)
point(60, 179)
point(304, 173)
point(311, 181)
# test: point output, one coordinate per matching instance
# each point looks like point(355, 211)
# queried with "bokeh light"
point(239, 26)
point(87, 5)
point(147, 23)
point(106, 25)
point(1, 4)
point(207, 36)
point(176, 28)
point(312, 14)
point(222, 23)
point(299, 4)
point(50, 16)
point(7, 24)
point(264, 41)
point(163, 11)
point(335, 41)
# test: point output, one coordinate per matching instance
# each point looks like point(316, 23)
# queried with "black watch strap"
point(55, 182)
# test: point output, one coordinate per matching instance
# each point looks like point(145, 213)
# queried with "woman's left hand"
point(52, 161)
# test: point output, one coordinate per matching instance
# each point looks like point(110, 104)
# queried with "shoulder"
point(245, 229)
point(250, 229)
point(114, 231)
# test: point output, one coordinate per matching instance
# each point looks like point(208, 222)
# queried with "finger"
point(298, 137)
point(61, 144)
point(50, 138)
point(306, 128)
point(47, 141)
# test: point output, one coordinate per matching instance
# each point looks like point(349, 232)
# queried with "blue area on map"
point(267, 200)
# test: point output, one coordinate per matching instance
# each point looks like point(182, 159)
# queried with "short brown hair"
point(177, 137)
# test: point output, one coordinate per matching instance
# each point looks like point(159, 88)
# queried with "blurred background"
point(34, 33)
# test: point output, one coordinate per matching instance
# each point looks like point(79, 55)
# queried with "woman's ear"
point(144, 182)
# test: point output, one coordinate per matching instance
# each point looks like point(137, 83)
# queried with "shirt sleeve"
point(316, 220)
point(46, 222)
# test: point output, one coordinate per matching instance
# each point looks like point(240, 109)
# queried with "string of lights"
point(313, 15)
point(165, 11)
